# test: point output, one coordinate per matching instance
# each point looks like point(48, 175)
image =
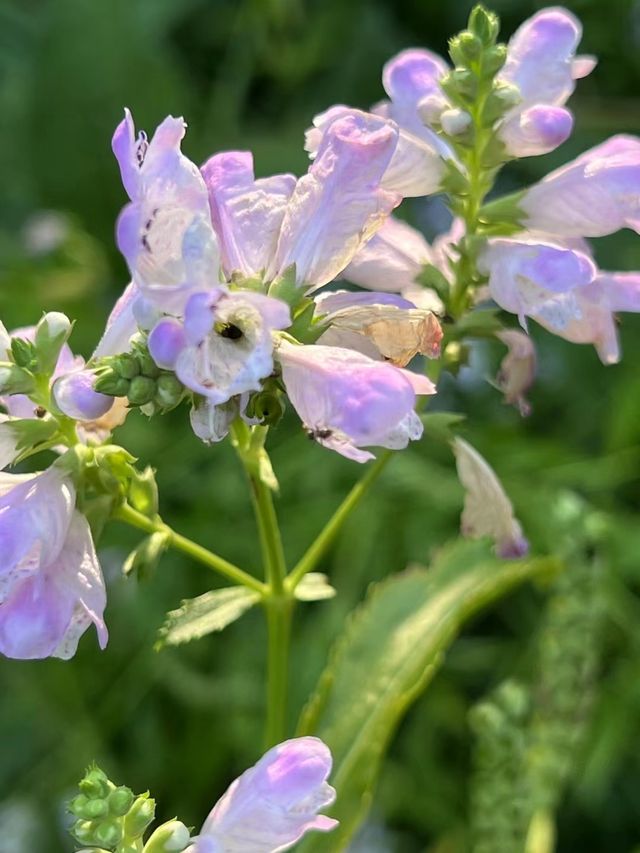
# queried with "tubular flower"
point(562, 289)
point(51, 585)
point(348, 401)
point(274, 803)
point(541, 63)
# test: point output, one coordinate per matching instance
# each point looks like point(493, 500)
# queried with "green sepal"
point(465, 49)
point(455, 181)
point(287, 288)
point(493, 59)
point(23, 353)
point(111, 383)
point(504, 210)
point(210, 612)
point(461, 85)
point(142, 390)
point(169, 392)
point(143, 560)
point(15, 380)
point(139, 816)
point(303, 328)
point(430, 276)
point(143, 491)
point(500, 100)
point(483, 323)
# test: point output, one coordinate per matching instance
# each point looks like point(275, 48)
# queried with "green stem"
point(326, 537)
point(277, 601)
point(131, 516)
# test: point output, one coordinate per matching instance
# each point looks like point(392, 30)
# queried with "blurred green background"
point(251, 74)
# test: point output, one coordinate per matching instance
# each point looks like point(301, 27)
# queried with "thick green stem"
point(326, 537)
point(223, 567)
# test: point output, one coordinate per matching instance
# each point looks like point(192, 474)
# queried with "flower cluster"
point(267, 809)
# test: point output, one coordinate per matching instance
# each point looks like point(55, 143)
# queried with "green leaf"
point(442, 426)
point(213, 611)
point(314, 586)
point(390, 651)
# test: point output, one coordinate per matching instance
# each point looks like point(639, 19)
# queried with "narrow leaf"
point(213, 611)
point(390, 651)
point(314, 587)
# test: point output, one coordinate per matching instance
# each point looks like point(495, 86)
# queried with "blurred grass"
point(251, 74)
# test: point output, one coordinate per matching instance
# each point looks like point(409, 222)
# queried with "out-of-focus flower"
point(487, 509)
point(348, 401)
point(596, 194)
point(274, 803)
point(517, 369)
point(541, 63)
point(51, 586)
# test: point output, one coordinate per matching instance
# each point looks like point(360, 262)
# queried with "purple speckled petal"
point(273, 804)
point(247, 213)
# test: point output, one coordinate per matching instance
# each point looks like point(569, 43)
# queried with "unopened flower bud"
point(77, 398)
point(169, 391)
point(465, 48)
point(51, 335)
point(493, 59)
point(460, 85)
point(502, 98)
point(15, 380)
point(109, 832)
point(171, 837)
point(148, 367)
point(484, 24)
point(95, 784)
point(140, 815)
point(120, 801)
point(142, 390)
point(109, 382)
point(455, 121)
point(95, 809)
point(126, 365)
point(23, 353)
point(84, 831)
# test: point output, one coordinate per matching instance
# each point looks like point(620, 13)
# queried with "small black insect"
point(230, 331)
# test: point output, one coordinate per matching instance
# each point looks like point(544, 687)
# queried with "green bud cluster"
point(136, 376)
point(108, 816)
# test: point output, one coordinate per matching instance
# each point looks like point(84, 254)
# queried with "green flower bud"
point(493, 59)
point(15, 380)
point(126, 365)
point(120, 801)
point(94, 809)
point(460, 85)
point(148, 367)
point(141, 391)
point(484, 24)
point(112, 383)
point(23, 353)
point(502, 98)
point(465, 49)
point(84, 831)
point(140, 815)
point(95, 784)
point(109, 832)
point(169, 391)
point(51, 335)
point(171, 837)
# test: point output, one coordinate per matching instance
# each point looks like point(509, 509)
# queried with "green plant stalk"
point(197, 552)
point(277, 601)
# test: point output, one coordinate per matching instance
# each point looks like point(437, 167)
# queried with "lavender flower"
point(51, 586)
point(273, 804)
point(347, 400)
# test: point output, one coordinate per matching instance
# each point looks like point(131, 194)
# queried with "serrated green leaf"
point(213, 611)
point(387, 656)
point(314, 586)
point(32, 431)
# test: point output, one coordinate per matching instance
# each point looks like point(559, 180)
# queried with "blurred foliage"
point(251, 74)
